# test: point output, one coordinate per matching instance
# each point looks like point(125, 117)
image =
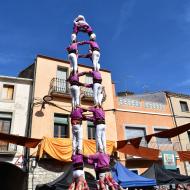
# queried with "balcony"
point(86, 94)
point(7, 148)
point(60, 88)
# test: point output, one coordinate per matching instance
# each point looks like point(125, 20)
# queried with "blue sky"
point(144, 43)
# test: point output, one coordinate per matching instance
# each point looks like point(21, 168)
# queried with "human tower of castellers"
point(100, 160)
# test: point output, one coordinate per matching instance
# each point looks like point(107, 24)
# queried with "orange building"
point(49, 76)
point(140, 115)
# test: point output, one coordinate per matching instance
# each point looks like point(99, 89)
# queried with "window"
point(133, 132)
point(8, 91)
point(61, 85)
point(162, 141)
point(188, 133)
point(61, 126)
point(5, 127)
point(88, 91)
point(91, 130)
point(184, 106)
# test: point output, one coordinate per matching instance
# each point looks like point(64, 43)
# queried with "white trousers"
point(97, 92)
point(75, 93)
point(78, 173)
point(95, 59)
point(101, 137)
point(72, 57)
point(77, 137)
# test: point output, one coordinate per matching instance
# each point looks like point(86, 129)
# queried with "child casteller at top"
point(80, 25)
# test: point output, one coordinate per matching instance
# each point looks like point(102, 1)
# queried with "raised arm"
point(83, 42)
point(68, 79)
point(89, 55)
point(91, 109)
point(84, 109)
point(81, 84)
point(82, 73)
point(93, 157)
point(88, 85)
point(88, 118)
point(75, 20)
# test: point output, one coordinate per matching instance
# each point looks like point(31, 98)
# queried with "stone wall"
point(47, 170)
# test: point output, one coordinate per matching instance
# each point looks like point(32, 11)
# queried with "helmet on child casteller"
point(93, 36)
point(73, 37)
point(80, 17)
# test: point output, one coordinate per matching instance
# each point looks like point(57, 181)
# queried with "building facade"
point(180, 106)
point(128, 116)
point(15, 96)
point(49, 75)
point(140, 115)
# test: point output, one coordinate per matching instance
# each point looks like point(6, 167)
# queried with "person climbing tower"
point(79, 182)
point(96, 86)
point(94, 52)
point(75, 87)
point(101, 162)
point(72, 50)
point(80, 25)
point(99, 121)
point(77, 130)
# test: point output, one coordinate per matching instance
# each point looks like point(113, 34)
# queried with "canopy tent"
point(63, 182)
point(127, 178)
point(165, 177)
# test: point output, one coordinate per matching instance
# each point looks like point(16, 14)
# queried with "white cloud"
point(125, 13)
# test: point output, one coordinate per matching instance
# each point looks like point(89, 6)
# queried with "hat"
point(80, 17)
point(93, 36)
point(73, 37)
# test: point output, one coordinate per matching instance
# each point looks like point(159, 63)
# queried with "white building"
point(15, 95)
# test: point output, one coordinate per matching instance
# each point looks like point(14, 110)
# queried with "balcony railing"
point(60, 87)
point(86, 93)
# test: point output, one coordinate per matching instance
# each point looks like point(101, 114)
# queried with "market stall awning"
point(127, 178)
point(165, 177)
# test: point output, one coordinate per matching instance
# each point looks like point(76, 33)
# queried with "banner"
point(169, 160)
